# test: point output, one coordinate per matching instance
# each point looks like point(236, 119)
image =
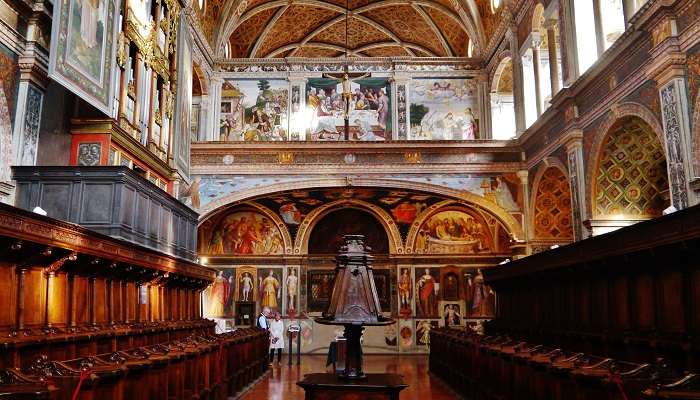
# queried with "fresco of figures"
point(243, 233)
point(443, 109)
point(405, 288)
point(270, 288)
point(428, 292)
point(369, 109)
point(254, 110)
point(453, 232)
point(219, 296)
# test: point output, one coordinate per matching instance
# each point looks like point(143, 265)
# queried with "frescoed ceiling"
point(375, 28)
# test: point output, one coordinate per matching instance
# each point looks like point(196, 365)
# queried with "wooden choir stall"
point(87, 316)
point(616, 316)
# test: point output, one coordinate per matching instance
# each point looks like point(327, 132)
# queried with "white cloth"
point(277, 331)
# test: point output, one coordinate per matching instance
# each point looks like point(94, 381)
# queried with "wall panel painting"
point(423, 328)
point(405, 335)
point(370, 110)
point(454, 231)
point(382, 281)
point(219, 296)
point(254, 110)
point(405, 289)
point(246, 278)
point(479, 297)
point(427, 292)
point(83, 49)
point(292, 290)
point(241, 232)
point(443, 109)
point(320, 289)
point(270, 288)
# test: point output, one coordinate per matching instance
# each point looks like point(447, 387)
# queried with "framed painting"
point(320, 289)
point(83, 49)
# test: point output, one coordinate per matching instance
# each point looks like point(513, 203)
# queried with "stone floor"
point(280, 383)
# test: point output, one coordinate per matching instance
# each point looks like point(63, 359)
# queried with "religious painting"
point(407, 211)
point(405, 333)
point(254, 110)
point(245, 284)
point(327, 236)
point(320, 289)
point(183, 110)
point(382, 281)
point(428, 291)
point(291, 290)
point(423, 328)
point(499, 190)
point(390, 335)
point(218, 298)
point(453, 231)
point(451, 313)
point(270, 288)
point(405, 286)
point(480, 298)
point(9, 78)
point(368, 103)
point(450, 283)
point(444, 109)
point(83, 49)
point(290, 214)
point(244, 232)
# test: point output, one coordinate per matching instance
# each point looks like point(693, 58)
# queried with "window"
point(586, 47)
point(599, 23)
point(502, 104)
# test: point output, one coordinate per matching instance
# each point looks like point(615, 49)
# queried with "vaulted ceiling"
point(317, 28)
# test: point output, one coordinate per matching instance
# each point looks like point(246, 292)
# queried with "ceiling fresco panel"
point(293, 26)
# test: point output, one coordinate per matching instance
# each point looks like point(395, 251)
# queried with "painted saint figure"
point(452, 317)
point(219, 295)
point(423, 333)
point(292, 282)
point(427, 288)
point(480, 294)
point(405, 287)
point(269, 289)
point(246, 286)
point(346, 83)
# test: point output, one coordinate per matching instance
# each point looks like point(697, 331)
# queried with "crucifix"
point(346, 80)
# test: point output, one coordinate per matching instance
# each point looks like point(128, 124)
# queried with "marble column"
point(535, 43)
point(598, 22)
point(551, 25)
point(485, 127)
point(214, 114)
point(518, 95)
point(577, 183)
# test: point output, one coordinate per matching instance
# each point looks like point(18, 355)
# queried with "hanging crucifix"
point(346, 80)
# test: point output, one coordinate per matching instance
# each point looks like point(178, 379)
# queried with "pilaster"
point(577, 183)
point(214, 114)
point(518, 95)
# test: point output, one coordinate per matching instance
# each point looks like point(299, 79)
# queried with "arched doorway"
point(630, 181)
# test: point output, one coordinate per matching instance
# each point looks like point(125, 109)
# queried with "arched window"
point(227, 50)
point(494, 5)
point(470, 49)
point(502, 105)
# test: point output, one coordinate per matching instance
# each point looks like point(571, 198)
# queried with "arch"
point(326, 235)
point(552, 167)
point(617, 111)
point(301, 245)
point(503, 100)
point(512, 225)
point(630, 172)
point(504, 58)
point(272, 216)
point(436, 208)
point(200, 78)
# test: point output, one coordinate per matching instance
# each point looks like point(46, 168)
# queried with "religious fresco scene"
point(254, 110)
point(258, 199)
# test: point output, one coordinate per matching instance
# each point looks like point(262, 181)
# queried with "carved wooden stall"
point(614, 317)
point(107, 319)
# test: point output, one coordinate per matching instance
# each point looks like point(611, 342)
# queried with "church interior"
point(343, 199)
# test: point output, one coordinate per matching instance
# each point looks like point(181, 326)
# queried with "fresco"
point(405, 289)
point(320, 288)
point(242, 233)
point(219, 296)
point(503, 190)
point(292, 289)
point(254, 110)
point(83, 49)
point(427, 291)
point(370, 109)
point(480, 299)
point(328, 234)
point(453, 232)
point(443, 109)
point(270, 288)
point(451, 313)
point(423, 328)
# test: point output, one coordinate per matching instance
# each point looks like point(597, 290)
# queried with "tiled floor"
point(281, 382)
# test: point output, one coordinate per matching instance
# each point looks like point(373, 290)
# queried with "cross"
point(346, 79)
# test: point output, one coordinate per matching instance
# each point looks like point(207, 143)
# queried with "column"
point(523, 175)
point(485, 127)
point(577, 183)
point(599, 35)
point(536, 42)
point(518, 96)
point(203, 118)
point(551, 25)
point(672, 83)
point(297, 105)
point(570, 56)
point(402, 126)
point(214, 114)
